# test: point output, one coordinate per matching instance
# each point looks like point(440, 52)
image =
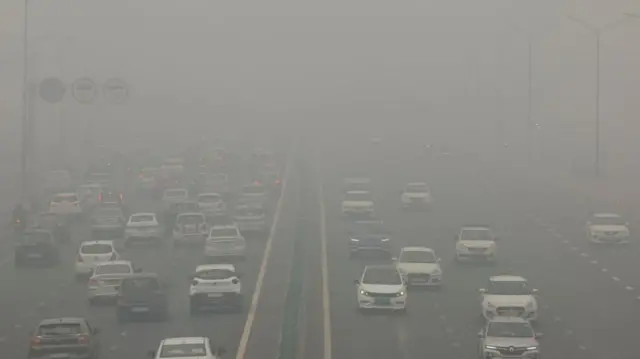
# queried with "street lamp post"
point(597, 31)
point(25, 99)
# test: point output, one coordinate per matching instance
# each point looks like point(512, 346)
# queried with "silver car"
point(508, 337)
point(251, 218)
point(105, 281)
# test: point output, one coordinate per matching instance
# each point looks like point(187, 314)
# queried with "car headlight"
point(384, 240)
point(355, 240)
point(490, 347)
point(364, 292)
point(532, 348)
point(400, 293)
point(436, 271)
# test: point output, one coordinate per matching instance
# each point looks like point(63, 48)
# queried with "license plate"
point(214, 295)
point(34, 255)
point(140, 309)
point(383, 301)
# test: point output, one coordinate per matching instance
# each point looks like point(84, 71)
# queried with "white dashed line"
point(17, 326)
point(3, 339)
point(455, 344)
point(615, 279)
point(565, 241)
point(574, 248)
point(582, 347)
point(604, 270)
point(113, 348)
point(594, 262)
point(584, 255)
point(629, 288)
point(449, 331)
point(557, 319)
point(569, 332)
point(443, 318)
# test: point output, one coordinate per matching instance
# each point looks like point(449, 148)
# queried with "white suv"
point(607, 228)
point(225, 241)
point(215, 286)
point(143, 227)
point(187, 348)
point(381, 287)
point(509, 296)
point(476, 243)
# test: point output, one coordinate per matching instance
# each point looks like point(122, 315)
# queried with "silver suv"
point(508, 337)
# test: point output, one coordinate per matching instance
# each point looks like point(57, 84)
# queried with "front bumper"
point(524, 313)
point(504, 353)
point(416, 203)
point(216, 300)
point(238, 251)
point(384, 303)
point(467, 256)
point(610, 239)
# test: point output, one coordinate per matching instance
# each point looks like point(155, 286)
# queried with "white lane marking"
point(584, 255)
point(455, 344)
point(248, 325)
point(604, 270)
point(569, 332)
point(574, 248)
point(615, 279)
point(565, 241)
point(629, 288)
point(594, 262)
point(557, 319)
point(3, 339)
point(326, 308)
point(582, 347)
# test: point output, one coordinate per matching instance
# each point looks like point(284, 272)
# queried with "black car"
point(175, 209)
point(368, 236)
point(58, 225)
point(71, 338)
point(36, 246)
point(142, 295)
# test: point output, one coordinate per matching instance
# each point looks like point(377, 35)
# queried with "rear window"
point(65, 198)
point(183, 350)
point(223, 232)
point(96, 248)
point(215, 274)
point(113, 269)
point(142, 218)
point(60, 329)
point(175, 193)
point(140, 284)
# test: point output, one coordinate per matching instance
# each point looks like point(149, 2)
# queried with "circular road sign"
point(116, 90)
point(52, 89)
point(84, 90)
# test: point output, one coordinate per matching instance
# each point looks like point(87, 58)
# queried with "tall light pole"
point(597, 31)
point(25, 99)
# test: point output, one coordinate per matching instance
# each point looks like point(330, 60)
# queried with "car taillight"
point(256, 182)
point(114, 256)
point(83, 339)
point(277, 181)
point(79, 259)
point(121, 197)
point(92, 283)
point(35, 341)
point(100, 197)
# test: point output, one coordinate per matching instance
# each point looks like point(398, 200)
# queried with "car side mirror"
point(534, 290)
point(482, 290)
point(151, 353)
point(356, 281)
point(539, 335)
point(480, 334)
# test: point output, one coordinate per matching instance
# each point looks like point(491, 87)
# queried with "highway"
point(588, 296)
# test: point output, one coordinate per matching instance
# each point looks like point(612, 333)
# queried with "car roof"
point(119, 262)
point(191, 214)
point(606, 215)
point(65, 194)
point(64, 320)
point(417, 249)
point(416, 184)
point(205, 267)
point(507, 278)
point(143, 214)
point(102, 241)
point(508, 320)
point(358, 192)
point(184, 340)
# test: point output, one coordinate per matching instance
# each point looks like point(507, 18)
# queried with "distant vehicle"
point(215, 286)
point(254, 193)
point(271, 179)
point(509, 296)
point(416, 195)
point(476, 243)
point(225, 241)
point(358, 203)
point(190, 228)
point(108, 195)
point(187, 348)
point(67, 204)
point(381, 287)
point(101, 178)
point(357, 184)
point(508, 338)
point(103, 284)
point(608, 228)
point(108, 221)
point(143, 227)
point(174, 195)
point(251, 218)
point(420, 266)
point(57, 181)
point(368, 236)
point(36, 247)
point(92, 253)
point(217, 183)
point(142, 295)
point(72, 337)
point(173, 167)
point(89, 195)
point(211, 203)
point(58, 225)
point(147, 179)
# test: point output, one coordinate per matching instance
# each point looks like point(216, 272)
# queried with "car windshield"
point(140, 284)
point(607, 221)
point(183, 350)
point(113, 269)
point(96, 248)
point(215, 274)
point(65, 198)
point(480, 234)
point(63, 329)
point(175, 193)
point(190, 219)
point(358, 196)
point(387, 276)
point(210, 198)
point(508, 288)
point(417, 257)
point(142, 218)
point(253, 189)
point(417, 188)
point(510, 330)
point(223, 232)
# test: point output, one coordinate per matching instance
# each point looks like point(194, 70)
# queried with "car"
point(143, 227)
point(105, 280)
point(173, 167)
point(100, 178)
point(187, 348)
point(57, 180)
point(215, 286)
point(92, 253)
point(224, 241)
point(190, 227)
point(254, 193)
point(358, 203)
point(271, 179)
point(368, 236)
point(67, 204)
point(420, 266)
point(251, 218)
point(214, 182)
point(36, 246)
point(509, 296)
point(108, 195)
point(608, 228)
point(416, 195)
point(357, 184)
point(88, 194)
point(142, 295)
point(381, 287)
point(109, 221)
point(174, 195)
point(65, 338)
point(147, 179)
point(211, 203)
point(508, 337)
point(476, 243)
point(58, 225)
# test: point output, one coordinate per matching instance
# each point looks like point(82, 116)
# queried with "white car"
point(173, 196)
point(420, 266)
point(225, 241)
point(211, 203)
point(251, 218)
point(254, 193)
point(190, 227)
point(476, 243)
point(509, 296)
point(57, 180)
point(106, 278)
point(67, 204)
point(143, 227)
point(416, 195)
point(358, 203)
point(215, 286)
point(92, 253)
point(381, 287)
point(187, 348)
point(608, 228)
point(88, 195)
point(508, 337)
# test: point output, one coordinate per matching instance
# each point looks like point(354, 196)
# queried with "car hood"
point(357, 203)
point(382, 288)
point(476, 244)
point(509, 300)
point(608, 228)
point(416, 195)
point(369, 236)
point(511, 342)
point(410, 268)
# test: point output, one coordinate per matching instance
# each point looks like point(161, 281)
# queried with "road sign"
point(52, 89)
point(84, 90)
point(115, 90)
